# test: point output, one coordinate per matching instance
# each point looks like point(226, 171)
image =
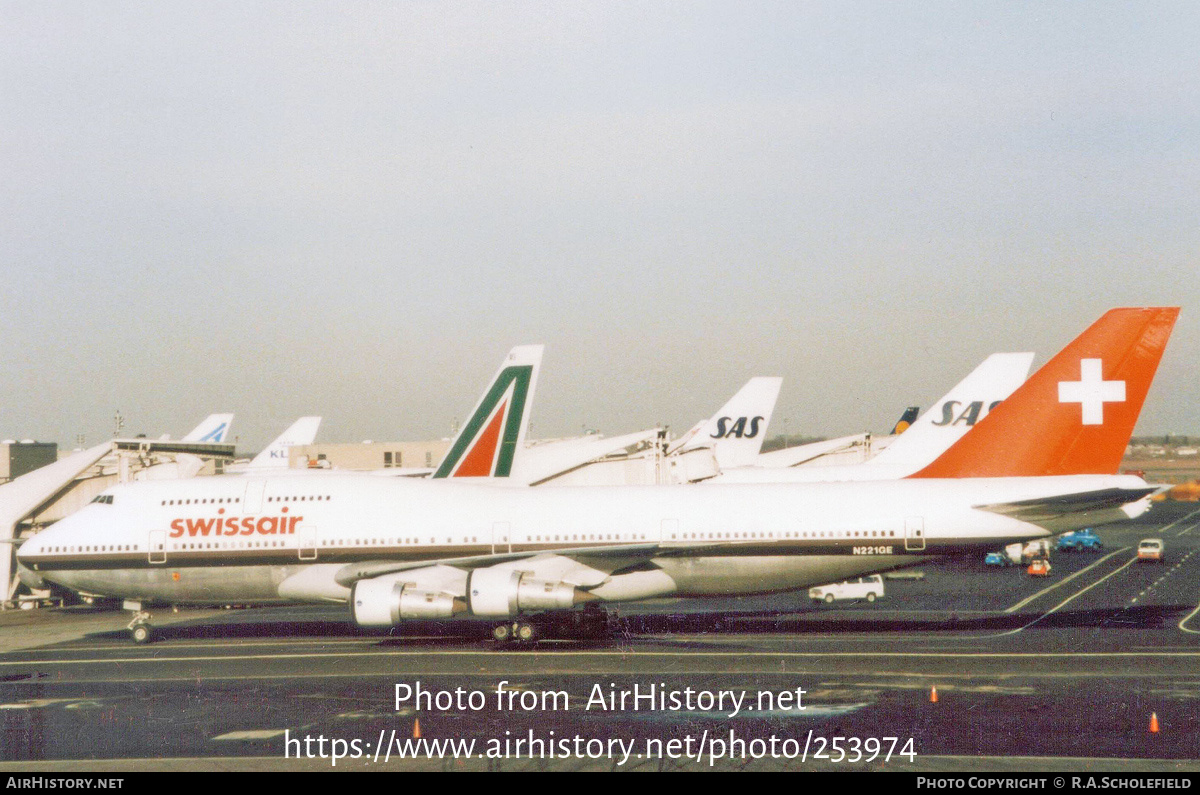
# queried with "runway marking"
point(620, 671)
point(201, 645)
point(1072, 598)
point(1190, 529)
point(616, 653)
point(1188, 618)
point(1066, 580)
point(1181, 519)
point(250, 734)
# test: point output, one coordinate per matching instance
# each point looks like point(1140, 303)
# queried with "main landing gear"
point(590, 623)
point(515, 632)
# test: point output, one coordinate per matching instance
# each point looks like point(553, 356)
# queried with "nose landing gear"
point(140, 630)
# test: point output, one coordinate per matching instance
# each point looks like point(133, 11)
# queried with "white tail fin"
point(736, 432)
point(275, 455)
point(949, 419)
point(488, 443)
point(215, 428)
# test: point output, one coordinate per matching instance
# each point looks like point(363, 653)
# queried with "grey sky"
point(355, 209)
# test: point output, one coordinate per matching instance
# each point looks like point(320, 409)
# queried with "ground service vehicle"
point(1079, 541)
point(1039, 568)
point(1151, 549)
point(869, 588)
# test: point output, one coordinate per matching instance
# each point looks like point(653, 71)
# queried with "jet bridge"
point(38, 498)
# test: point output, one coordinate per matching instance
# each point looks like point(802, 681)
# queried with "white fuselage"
point(246, 539)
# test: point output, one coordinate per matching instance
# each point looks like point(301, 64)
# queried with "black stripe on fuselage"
point(290, 556)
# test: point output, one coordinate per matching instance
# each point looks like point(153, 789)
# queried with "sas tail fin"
point(215, 428)
point(275, 455)
point(1076, 414)
point(959, 410)
point(736, 432)
point(488, 442)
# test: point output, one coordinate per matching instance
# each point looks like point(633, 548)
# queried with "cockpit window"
point(103, 499)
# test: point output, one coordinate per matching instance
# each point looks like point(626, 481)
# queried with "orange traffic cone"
point(933, 695)
point(1154, 723)
point(416, 728)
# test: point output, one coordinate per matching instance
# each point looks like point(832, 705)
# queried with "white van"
point(869, 588)
point(1151, 549)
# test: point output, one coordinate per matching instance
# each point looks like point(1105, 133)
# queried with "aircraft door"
point(914, 533)
point(158, 546)
point(252, 502)
point(501, 538)
point(308, 543)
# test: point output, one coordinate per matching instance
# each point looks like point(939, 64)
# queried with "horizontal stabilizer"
point(1043, 509)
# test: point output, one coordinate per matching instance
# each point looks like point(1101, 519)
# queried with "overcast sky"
point(355, 209)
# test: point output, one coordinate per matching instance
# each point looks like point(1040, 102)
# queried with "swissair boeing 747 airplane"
point(1042, 462)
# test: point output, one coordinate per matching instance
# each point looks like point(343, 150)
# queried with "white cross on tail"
point(1091, 391)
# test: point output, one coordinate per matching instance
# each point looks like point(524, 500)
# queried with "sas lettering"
point(969, 415)
point(232, 526)
point(738, 428)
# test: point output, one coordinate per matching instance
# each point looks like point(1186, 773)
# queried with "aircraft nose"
point(32, 547)
point(39, 544)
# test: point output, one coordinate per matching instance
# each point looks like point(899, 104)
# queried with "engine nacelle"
point(383, 601)
point(505, 592)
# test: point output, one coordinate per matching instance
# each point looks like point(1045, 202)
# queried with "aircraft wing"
point(1047, 511)
point(605, 559)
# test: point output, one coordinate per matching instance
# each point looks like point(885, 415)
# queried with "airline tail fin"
point(1076, 414)
point(275, 455)
point(736, 432)
point(959, 410)
point(906, 420)
point(488, 442)
point(215, 428)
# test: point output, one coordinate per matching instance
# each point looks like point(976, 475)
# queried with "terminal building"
point(369, 455)
point(17, 458)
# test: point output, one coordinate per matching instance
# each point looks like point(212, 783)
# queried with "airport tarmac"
point(1058, 673)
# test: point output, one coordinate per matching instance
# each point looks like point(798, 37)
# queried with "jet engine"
point(383, 601)
point(505, 592)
